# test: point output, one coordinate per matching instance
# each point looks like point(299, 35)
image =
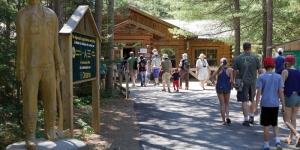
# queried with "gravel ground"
point(118, 128)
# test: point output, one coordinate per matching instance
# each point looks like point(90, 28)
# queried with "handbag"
point(239, 82)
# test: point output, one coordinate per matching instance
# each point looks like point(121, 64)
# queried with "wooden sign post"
point(80, 41)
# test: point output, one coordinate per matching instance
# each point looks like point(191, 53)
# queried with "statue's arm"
point(59, 65)
point(20, 28)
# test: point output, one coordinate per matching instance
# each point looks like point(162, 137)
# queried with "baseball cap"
point(223, 61)
point(269, 62)
point(280, 50)
point(176, 69)
point(290, 58)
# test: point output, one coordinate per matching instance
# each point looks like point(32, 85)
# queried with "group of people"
point(267, 88)
point(162, 66)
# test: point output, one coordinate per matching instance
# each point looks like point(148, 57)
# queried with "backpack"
point(186, 65)
point(135, 64)
point(142, 65)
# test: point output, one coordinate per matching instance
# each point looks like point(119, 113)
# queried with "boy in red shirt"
point(176, 80)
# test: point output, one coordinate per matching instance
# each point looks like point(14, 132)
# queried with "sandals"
point(223, 122)
point(288, 141)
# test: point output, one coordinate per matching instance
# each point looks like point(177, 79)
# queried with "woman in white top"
point(202, 69)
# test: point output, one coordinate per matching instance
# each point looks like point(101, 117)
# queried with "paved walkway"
point(190, 119)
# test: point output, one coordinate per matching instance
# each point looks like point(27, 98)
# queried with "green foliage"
point(82, 101)
point(85, 127)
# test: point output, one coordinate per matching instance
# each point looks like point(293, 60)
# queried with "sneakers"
point(163, 90)
point(297, 141)
point(278, 146)
point(133, 85)
point(251, 119)
point(177, 90)
point(246, 123)
point(263, 148)
point(186, 88)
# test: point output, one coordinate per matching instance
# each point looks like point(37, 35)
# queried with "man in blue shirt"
point(279, 61)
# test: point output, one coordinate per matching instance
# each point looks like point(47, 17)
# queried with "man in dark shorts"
point(269, 89)
point(248, 92)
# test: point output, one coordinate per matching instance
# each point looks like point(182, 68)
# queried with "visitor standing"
point(148, 73)
point(279, 61)
point(166, 66)
point(102, 72)
point(248, 65)
point(176, 78)
point(155, 65)
point(132, 67)
point(269, 90)
point(202, 70)
point(291, 80)
point(142, 68)
point(184, 70)
point(223, 88)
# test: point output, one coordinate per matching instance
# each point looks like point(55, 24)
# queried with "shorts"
point(269, 116)
point(156, 72)
point(247, 94)
point(132, 73)
point(176, 83)
point(103, 76)
point(222, 91)
point(292, 101)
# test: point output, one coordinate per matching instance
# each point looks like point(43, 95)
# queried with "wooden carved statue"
point(39, 66)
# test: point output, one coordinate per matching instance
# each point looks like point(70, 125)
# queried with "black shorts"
point(222, 91)
point(103, 76)
point(269, 116)
point(247, 94)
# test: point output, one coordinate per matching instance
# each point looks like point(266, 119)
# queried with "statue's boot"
point(50, 133)
point(29, 121)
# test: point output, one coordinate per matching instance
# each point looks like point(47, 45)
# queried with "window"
point(171, 55)
point(211, 55)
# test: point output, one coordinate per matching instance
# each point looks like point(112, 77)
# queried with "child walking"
point(176, 78)
point(269, 90)
point(223, 87)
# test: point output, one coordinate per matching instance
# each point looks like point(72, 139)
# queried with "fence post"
point(127, 96)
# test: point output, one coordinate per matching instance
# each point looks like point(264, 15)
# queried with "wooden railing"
point(119, 85)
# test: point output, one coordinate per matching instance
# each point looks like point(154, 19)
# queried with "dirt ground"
point(118, 128)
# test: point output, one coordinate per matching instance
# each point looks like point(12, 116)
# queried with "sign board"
point(295, 53)
point(84, 57)
point(143, 50)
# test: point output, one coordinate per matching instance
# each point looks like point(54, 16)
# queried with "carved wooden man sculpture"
point(38, 62)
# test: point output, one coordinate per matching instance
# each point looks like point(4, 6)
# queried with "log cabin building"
point(140, 33)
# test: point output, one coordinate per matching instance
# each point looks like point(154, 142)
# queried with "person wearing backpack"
point(132, 67)
point(142, 68)
point(184, 71)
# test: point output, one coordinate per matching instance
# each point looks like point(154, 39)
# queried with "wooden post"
point(127, 88)
point(67, 83)
point(96, 92)
point(120, 79)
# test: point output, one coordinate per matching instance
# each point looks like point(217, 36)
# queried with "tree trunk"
point(237, 29)
point(269, 27)
point(109, 75)
point(264, 35)
point(98, 14)
point(59, 12)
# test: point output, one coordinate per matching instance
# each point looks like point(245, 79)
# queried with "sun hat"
point(223, 61)
point(202, 55)
point(102, 58)
point(154, 51)
point(269, 62)
point(290, 58)
point(280, 50)
point(165, 55)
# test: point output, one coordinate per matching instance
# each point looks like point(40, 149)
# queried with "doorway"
point(126, 52)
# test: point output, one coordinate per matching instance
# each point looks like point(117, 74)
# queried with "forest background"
point(261, 22)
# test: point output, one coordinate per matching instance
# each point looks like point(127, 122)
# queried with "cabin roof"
point(73, 21)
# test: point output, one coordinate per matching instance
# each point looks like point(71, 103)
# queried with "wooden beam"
point(96, 92)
